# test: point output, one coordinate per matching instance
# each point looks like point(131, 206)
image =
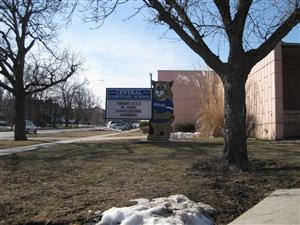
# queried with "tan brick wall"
point(264, 96)
point(185, 93)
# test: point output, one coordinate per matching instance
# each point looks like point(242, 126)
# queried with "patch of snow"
point(174, 210)
point(184, 135)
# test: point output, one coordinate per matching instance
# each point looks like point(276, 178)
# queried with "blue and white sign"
point(128, 103)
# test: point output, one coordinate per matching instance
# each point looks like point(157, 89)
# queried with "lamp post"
point(100, 119)
point(150, 74)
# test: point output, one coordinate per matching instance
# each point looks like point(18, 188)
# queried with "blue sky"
point(123, 52)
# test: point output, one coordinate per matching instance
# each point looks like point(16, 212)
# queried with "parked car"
point(118, 125)
point(4, 126)
point(30, 127)
point(135, 125)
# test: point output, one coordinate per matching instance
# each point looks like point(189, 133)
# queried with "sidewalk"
point(282, 207)
point(105, 137)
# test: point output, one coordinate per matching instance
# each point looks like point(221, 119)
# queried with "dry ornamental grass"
point(210, 120)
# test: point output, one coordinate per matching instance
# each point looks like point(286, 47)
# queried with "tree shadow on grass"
point(180, 143)
point(163, 151)
point(129, 151)
point(260, 166)
point(272, 166)
point(281, 168)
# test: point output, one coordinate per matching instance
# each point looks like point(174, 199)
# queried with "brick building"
point(272, 93)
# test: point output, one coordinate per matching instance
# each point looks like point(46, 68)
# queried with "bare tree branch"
point(241, 15)
point(196, 43)
point(6, 87)
point(224, 10)
point(258, 54)
point(54, 78)
point(6, 73)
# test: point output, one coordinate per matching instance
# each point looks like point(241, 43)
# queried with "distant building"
point(272, 93)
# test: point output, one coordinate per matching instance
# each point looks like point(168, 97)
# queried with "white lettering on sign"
point(126, 92)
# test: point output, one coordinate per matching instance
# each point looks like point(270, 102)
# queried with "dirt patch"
point(65, 184)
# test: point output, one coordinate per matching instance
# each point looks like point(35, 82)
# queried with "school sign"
point(128, 103)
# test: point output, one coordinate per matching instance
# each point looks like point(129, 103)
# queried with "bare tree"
point(42, 109)
point(84, 101)
point(28, 59)
point(249, 29)
point(67, 94)
point(6, 103)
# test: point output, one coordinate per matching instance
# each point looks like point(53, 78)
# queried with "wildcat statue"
point(162, 111)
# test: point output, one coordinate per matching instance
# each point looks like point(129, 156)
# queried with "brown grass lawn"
point(87, 133)
point(65, 184)
point(6, 143)
point(45, 138)
point(70, 134)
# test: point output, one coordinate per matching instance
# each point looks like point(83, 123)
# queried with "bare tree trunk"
point(54, 117)
point(20, 133)
point(235, 140)
point(66, 122)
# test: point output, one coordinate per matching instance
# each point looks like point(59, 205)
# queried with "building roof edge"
point(295, 44)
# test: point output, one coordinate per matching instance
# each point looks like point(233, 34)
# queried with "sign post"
point(129, 103)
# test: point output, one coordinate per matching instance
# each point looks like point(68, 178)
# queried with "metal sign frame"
point(129, 95)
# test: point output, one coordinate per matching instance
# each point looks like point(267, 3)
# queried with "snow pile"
point(184, 135)
point(174, 210)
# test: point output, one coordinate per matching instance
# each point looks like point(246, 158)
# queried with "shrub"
point(144, 123)
point(185, 127)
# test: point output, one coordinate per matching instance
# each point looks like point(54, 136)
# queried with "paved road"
point(10, 134)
